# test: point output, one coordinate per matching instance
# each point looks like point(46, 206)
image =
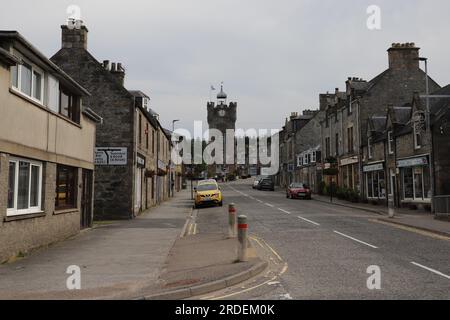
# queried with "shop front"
point(349, 173)
point(415, 180)
point(374, 177)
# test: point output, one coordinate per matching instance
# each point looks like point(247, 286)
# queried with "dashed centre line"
point(282, 210)
point(269, 205)
point(431, 270)
point(310, 221)
point(354, 239)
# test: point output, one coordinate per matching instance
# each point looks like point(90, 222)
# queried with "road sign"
point(108, 156)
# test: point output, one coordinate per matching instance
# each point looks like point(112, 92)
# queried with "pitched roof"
point(58, 72)
point(138, 93)
point(439, 103)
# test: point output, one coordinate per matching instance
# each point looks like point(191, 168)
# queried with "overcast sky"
point(274, 57)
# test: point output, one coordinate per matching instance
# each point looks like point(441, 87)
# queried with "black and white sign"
point(110, 156)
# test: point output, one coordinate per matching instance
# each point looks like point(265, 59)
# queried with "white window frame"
point(416, 144)
point(414, 198)
point(390, 142)
point(314, 155)
point(34, 69)
point(372, 186)
point(369, 148)
point(30, 210)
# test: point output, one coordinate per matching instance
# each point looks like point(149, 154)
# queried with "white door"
point(138, 188)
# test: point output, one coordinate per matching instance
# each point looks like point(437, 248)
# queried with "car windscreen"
point(298, 185)
point(206, 187)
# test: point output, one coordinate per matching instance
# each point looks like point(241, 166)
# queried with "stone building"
point(374, 160)
point(152, 172)
point(123, 156)
point(366, 99)
point(47, 136)
point(308, 151)
point(288, 141)
point(398, 151)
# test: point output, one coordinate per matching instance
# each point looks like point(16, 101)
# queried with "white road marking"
point(431, 270)
point(282, 210)
point(269, 205)
point(195, 229)
point(286, 296)
point(354, 239)
point(310, 221)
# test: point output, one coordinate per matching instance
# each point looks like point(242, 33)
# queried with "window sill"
point(65, 211)
point(24, 216)
point(41, 106)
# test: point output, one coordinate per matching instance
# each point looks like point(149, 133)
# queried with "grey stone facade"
point(365, 99)
point(114, 185)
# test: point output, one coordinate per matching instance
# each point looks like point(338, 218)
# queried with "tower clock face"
point(221, 113)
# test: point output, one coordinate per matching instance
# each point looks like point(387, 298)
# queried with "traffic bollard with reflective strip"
point(232, 230)
point(242, 238)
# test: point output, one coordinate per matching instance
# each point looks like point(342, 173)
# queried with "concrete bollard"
point(232, 225)
point(391, 209)
point(242, 238)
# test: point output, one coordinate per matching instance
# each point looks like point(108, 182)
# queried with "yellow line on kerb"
point(412, 229)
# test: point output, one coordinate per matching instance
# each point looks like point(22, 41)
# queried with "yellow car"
point(207, 193)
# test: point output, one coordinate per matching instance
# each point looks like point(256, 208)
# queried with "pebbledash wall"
point(32, 131)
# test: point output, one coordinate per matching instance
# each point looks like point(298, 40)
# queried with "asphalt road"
point(328, 249)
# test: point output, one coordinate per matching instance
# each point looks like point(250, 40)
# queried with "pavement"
point(153, 256)
point(419, 219)
point(330, 251)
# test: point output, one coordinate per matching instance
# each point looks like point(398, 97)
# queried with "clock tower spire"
point(222, 116)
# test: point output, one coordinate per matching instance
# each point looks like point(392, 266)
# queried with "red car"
point(298, 190)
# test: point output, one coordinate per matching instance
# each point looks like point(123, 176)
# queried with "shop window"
point(418, 183)
point(408, 183)
point(66, 187)
point(24, 187)
point(369, 185)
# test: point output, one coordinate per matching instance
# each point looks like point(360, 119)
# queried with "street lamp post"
point(171, 188)
point(428, 128)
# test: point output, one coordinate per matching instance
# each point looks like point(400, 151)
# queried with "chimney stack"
point(118, 72)
point(74, 37)
point(403, 56)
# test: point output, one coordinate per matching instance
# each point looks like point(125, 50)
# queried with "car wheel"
point(220, 203)
point(287, 195)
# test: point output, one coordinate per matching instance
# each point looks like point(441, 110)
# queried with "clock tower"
point(222, 116)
